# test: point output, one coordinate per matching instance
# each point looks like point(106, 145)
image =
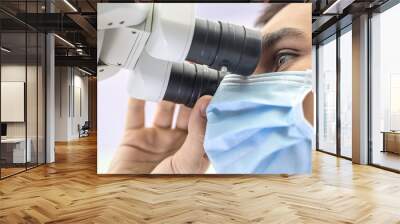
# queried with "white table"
point(19, 155)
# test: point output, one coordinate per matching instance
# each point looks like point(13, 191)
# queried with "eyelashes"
point(283, 58)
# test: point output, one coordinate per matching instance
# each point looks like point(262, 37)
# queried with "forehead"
point(295, 15)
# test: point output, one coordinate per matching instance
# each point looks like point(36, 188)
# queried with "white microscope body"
point(153, 40)
point(144, 38)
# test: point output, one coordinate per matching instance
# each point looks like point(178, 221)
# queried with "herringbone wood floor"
point(69, 191)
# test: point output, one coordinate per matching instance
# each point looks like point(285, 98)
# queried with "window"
point(385, 89)
point(22, 89)
point(346, 92)
point(327, 96)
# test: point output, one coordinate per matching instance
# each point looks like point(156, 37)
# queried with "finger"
point(135, 116)
point(197, 125)
point(165, 167)
point(164, 114)
point(183, 117)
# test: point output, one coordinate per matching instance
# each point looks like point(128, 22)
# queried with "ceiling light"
point(70, 5)
point(337, 7)
point(5, 49)
point(64, 40)
point(84, 71)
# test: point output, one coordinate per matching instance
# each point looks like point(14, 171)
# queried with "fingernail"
point(203, 110)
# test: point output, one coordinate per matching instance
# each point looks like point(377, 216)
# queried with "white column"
point(50, 92)
point(50, 99)
point(360, 90)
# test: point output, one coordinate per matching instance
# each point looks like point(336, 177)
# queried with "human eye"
point(283, 58)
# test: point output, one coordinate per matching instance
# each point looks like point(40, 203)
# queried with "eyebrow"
point(270, 39)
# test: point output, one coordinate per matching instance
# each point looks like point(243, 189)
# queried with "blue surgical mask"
point(256, 124)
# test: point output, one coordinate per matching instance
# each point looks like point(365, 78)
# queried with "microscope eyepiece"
point(188, 82)
point(219, 44)
point(215, 45)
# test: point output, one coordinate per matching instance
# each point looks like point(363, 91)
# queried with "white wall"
point(12, 101)
point(12, 73)
point(80, 84)
point(67, 116)
point(61, 103)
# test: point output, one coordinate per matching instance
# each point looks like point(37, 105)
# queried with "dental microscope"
point(170, 54)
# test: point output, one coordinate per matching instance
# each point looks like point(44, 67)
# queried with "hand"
point(141, 148)
point(191, 157)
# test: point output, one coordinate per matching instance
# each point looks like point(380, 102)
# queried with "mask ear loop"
point(306, 87)
point(304, 125)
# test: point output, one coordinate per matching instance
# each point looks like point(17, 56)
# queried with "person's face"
point(287, 40)
point(287, 45)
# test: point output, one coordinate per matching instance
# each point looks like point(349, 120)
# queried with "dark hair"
point(270, 10)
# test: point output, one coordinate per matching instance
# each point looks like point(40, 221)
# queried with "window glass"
point(385, 78)
point(22, 89)
point(15, 150)
point(346, 93)
point(327, 96)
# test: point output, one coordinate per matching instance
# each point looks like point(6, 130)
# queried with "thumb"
point(197, 123)
point(191, 158)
